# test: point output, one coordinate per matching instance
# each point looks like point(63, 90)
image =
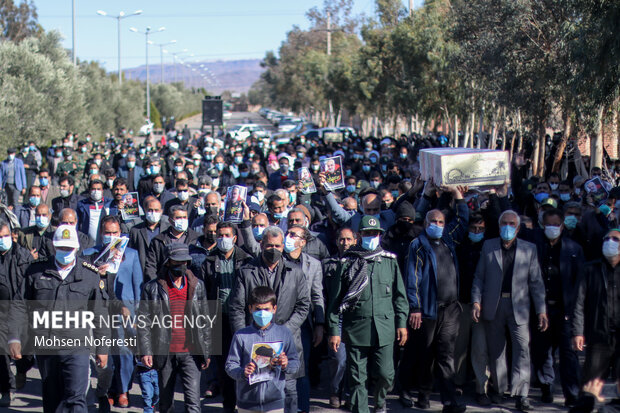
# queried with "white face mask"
point(610, 248)
point(96, 195)
point(181, 224)
point(158, 188)
point(153, 217)
point(183, 195)
point(225, 244)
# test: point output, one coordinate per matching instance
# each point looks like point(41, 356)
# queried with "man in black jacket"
point(14, 260)
point(561, 263)
point(178, 232)
point(182, 349)
point(155, 223)
point(596, 319)
point(219, 271)
point(68, 197)
point(63, 281)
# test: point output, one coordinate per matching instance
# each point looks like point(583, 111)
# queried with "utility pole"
point(148, 81)
point(74, 56)
point(329, 33)
point(118, 19)
point(161, 55)
point(329, 53)
point(410, 8)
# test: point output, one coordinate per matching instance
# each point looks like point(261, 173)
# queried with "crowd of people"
point(391, 284)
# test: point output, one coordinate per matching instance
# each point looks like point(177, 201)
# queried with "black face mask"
point(272, 255)
point(403, 226)
point(211, 238)
point(213, 210)
point(178, 270)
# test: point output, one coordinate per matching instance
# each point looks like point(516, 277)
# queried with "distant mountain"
point(233, 75)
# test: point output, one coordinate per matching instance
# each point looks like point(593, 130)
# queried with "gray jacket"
point(293, 297)
point(526, 281)
point(314, 276)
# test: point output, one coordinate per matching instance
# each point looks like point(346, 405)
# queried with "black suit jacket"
point(139, 239)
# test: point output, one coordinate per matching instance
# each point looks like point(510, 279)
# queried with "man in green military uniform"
point(68, 166)
point(81, 156)
point(371, 303)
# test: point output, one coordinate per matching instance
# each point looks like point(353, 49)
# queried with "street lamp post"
point(174, 61)
point(161, 55)
point(148, 86)
point(118, 18)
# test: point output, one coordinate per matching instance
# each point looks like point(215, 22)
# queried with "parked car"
point(243, 131)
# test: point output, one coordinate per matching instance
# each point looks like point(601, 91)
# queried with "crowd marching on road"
point(390, 283)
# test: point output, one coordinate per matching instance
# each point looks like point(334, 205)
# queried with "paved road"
point(195, 122)
point(29, 399)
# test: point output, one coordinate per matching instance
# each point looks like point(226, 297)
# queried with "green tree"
point(18, 22)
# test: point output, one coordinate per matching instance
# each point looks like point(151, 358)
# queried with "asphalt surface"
point(29, 399)
point(195, 122)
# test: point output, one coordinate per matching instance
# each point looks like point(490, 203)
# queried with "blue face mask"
point(289, 244)
point(107, 239)
point(262, 317)
point(570, 222)
point(605, 209)
point(565, 197)
point(351, 188)
point(219, 166)
point(34, 201)
point(395, 194)
point(475, 238)
point(434, 231)
point(541, 196)
point(244, 174)
point(41, 221)
point(258, 232)
point(507, 232)
point(370, 243)
point(65, 257)
point(6, 243)
point(44, 181)
point(366, 168)
point(278, 215)
point(348, 172)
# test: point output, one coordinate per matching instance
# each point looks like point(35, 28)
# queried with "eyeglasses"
point(612, 238)
point(294, 235)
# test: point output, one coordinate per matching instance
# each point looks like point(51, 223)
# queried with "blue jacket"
point(83, 214)
point(20, 173)
point(267, 395)
point(128, 280)
point(275, 180)
point(421, 280)
point(138, 173)
point(22, 212)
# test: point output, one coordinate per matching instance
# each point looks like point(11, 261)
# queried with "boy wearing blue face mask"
point(261, 396)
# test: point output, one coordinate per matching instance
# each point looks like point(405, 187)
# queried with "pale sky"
point(211, 30)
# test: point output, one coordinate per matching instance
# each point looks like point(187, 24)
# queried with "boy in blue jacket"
point(260, 356)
